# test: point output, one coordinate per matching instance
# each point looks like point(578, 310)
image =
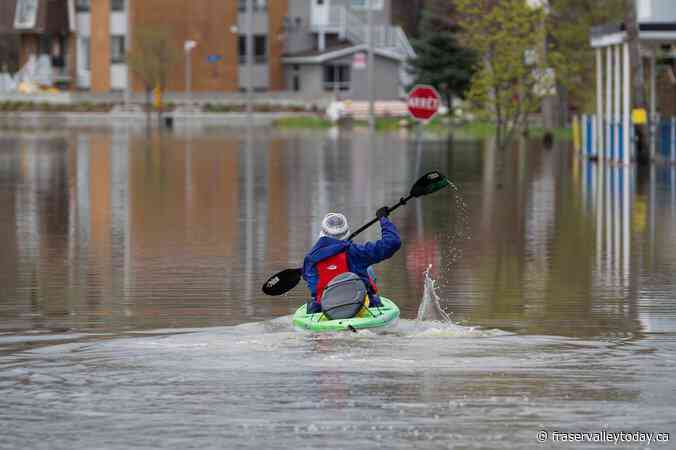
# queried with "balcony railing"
point(349, 26)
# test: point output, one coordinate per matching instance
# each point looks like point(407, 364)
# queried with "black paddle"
point(286, 280)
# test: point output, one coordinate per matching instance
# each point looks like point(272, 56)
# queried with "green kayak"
point(376, 317)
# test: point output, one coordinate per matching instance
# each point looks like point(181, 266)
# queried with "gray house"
point(326, 49)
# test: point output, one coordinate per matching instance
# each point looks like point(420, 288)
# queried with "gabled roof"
point(317, 57)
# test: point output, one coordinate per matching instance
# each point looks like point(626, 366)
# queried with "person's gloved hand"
point(383, 212)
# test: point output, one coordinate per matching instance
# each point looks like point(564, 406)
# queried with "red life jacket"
point(331, 267)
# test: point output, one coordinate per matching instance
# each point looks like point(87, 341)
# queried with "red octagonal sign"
point(423, 102)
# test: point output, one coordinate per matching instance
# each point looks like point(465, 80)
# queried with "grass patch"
point(311, 122)
point(482, 130)
point(388, 123)
point(382, 123)
point(560, 134)
point(476, 130)
point(28, 106)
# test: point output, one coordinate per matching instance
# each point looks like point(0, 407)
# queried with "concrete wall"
point(261, 76)
point(299, 39)
point(270, 23)
point(118, 71)
point(260, 22)
point(386, 73)
point(310, 77)
point(259, 26)
point(83, 21)
point(118, 76)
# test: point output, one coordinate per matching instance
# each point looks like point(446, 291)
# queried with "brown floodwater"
point(131, 313)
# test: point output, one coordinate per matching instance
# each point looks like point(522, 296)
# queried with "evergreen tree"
point(441, 61)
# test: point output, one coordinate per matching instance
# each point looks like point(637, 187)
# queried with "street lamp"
point(188, 46)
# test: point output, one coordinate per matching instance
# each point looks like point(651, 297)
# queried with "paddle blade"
point(282, 282)
point(430, 182)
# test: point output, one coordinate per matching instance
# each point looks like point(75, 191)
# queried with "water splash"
point(460, 232)
point(434, 322)
point(430, 307)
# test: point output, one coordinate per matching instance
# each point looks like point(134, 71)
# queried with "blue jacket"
point(359, 256)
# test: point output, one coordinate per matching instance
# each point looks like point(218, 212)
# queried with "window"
point(45, 44)
point(257, 5)
point(117, 49)
point(26, 13)
point(82, 5)
point(260, 49)
point(241, 43)
point(84, 47)
point(117, 5)
point(337, 77)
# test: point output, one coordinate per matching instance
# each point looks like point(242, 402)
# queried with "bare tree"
point(152, 57)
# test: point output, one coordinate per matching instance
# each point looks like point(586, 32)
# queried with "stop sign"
point(423, 102)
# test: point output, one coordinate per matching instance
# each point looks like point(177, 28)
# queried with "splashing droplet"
point(430, 306)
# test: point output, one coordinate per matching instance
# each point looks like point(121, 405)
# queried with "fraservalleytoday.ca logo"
point(608, 437)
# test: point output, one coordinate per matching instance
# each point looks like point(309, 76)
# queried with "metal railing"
point(349, 26)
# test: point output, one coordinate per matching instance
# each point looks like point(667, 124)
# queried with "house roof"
point(315, 52)
point(615, 33)
point(51, 17)
point(319, 57)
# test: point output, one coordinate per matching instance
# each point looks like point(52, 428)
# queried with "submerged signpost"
point(423, 104)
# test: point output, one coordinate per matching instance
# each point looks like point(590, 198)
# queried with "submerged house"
point(610, 132)
point(327, 48)
point(316, 47)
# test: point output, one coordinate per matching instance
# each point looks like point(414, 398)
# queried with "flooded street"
point(131, 311)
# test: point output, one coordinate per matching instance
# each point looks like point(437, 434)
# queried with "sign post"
point(188, 46)
point(423, 104)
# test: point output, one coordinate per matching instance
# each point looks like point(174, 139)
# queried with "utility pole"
point(637, 78)
point(249, 60)
point(128, 45)
point(371, 86)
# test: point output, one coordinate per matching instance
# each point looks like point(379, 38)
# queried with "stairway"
point(353, 28)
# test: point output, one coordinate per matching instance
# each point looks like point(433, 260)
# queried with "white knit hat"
point(335, 225)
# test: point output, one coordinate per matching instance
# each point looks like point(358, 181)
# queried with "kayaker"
point(333, 254)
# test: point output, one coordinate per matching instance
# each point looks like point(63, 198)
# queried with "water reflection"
point(632, 259)
point(111, 231)
point(116, 229)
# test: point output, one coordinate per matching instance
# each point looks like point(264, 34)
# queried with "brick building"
point(302, 45)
